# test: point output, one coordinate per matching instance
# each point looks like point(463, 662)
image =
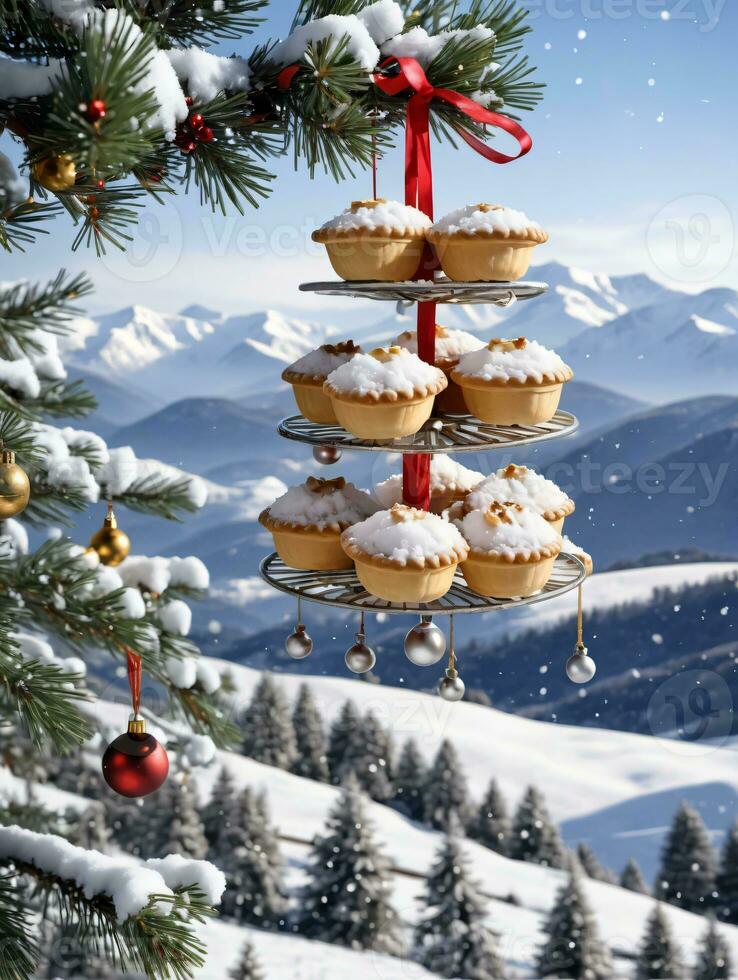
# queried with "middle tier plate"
point(342, 588)
point(441, 434)
point(439, 290)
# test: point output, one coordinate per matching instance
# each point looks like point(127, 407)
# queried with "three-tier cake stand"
point(441, 434)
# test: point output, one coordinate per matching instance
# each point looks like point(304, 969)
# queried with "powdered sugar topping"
point(405, 535)
point(445, 474)
point(508, 530)
point(487, 219)
point(374, 216)
point(332, 504)
point(387, 370)
point(521, 486)
point(450, 344)
point(320, 362)
point(513, 360)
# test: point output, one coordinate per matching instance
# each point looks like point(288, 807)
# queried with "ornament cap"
point(7, 456)
point(136, 725)
point(110, 518)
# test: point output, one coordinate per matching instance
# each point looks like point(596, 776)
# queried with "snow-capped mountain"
point(173, 354)
point(626, 333)
point(685, 344)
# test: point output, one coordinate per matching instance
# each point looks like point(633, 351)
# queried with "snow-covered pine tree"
point(58, 604)
point(713, 959)
point(347, 899)
point(410, 780)
point(373, 765)
point(491, 825)
point(248, 966)
point(573, 948)
point(658, 956)
point(248, 852)
point(591, 864)
point(268, 735)
point(219, 809)
point(727, 879)
point(687, 876)
point(344, 743)
point(91, 830)
point(446, 794)
point(452, 938)
point(310, 760)
point(632, 878)
point(75, 74)
point(535, 837)
point(179, 817)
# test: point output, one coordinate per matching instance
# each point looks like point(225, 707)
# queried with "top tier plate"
point(440, 290)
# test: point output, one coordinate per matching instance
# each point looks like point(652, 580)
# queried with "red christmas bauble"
point(96, 109)
point(135, 764)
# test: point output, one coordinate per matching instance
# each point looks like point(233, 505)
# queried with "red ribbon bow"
point(418, 171)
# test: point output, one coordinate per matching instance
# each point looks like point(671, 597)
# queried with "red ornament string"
point(134, 678)
point(395, 75)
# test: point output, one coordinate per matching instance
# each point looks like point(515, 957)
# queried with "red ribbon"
point(134, 678)
point(418, 171)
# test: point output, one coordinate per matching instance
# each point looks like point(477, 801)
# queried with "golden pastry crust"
point(326, 235)
point(301, 378)
point(380, 561)
point(550, 377)
point(372, 397)
point(536, 236)
point(274, 524)
point(539, 554)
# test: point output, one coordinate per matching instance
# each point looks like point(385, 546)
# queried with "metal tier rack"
point(440, 290)
point(442, 434)
point(343, 589)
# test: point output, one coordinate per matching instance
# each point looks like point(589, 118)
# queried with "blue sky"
point(633, 170)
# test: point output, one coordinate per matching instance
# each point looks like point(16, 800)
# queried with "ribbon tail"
point(134, 678)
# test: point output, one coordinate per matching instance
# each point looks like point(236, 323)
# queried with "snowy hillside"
point(584, 780)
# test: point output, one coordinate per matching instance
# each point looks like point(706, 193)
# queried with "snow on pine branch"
point(208, 74)
point(33, 647)
point(129, 884)
point(424, 47)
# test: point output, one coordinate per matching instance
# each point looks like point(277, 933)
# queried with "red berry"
point(205, 134)
point(188, 100)
point(196, 120)
point(94, 213)
point(96, 109)
point(100, 184)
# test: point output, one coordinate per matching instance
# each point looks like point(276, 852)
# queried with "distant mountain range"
point(628, 333)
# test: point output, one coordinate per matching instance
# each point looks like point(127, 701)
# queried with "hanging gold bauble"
point(111, 544)
point(15, 487)
point(56, 173)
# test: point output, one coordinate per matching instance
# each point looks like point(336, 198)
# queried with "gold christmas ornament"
point(56, 173)
point(111, 544)
point(15, 487)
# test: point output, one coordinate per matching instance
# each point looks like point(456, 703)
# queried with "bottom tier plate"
point(343, 589)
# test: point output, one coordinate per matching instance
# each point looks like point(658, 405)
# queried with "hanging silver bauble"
point(360, 658)
point(580, 668)
point(298, 645)
point(425, 644)
point(326, 454)
point(451, 687)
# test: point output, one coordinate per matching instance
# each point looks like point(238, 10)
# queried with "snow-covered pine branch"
point(143, 914)
point(168, 113)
